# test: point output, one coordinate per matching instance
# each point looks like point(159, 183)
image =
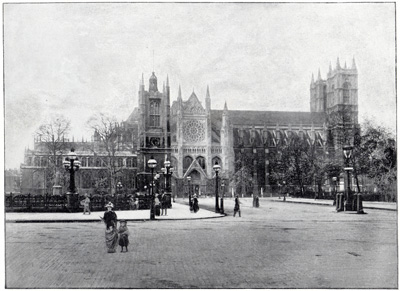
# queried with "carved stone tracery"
point(193, 130)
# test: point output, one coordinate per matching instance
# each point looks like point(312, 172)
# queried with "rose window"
point(193, 131)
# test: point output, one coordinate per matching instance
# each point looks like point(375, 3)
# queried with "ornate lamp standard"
point(71, 164)
point(152, 163)
point(168, 170)
point(216, 168)
point(283, 190)
point(334, 179)
point(222, 196)
point(347, 151)
point(119, 187)
point(189, 192)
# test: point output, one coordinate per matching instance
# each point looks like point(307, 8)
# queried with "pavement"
point(177, 212)
point(278, 245)
point(391, 206)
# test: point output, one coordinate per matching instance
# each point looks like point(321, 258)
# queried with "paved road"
point(275, 246)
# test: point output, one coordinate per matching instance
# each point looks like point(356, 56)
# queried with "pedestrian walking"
point(110, 219)
point(257, 201)
point(237, 206)
point(86, 204)
point(157, 205)
point(195, 203)
point(123, 232)
point(163, 201)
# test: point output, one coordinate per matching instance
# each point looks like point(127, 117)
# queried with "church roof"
point(247, 117)
point(134, 116)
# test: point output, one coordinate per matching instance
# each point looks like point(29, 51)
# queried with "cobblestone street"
point(279, 245)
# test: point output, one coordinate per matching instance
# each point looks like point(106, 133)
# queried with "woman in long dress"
point(195, 204)
point(237, 206)
point(110, 219)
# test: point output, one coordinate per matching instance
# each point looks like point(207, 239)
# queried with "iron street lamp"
point(189, 192)
point(216, 168)
point(71, 164)
point(222, 196)
point(152, 163)
point(119, 187)
point(347, 152)
point(283, 190)
point(334, 179)
point(168, 170)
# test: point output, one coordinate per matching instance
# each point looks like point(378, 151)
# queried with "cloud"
point(82, 58)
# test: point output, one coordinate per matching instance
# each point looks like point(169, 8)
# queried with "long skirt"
point(195, 207)
point(111, 240)
point(123, 240)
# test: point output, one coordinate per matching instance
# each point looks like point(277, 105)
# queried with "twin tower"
point(195, 138)
point(337, 96)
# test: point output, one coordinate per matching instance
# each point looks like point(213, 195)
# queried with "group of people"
point(113, 234)
point(161, 204)
point(133, 204)
point(194, 203)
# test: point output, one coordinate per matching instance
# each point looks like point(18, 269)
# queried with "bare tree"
point(51, 140)
point(106, 134)
point(242, 179)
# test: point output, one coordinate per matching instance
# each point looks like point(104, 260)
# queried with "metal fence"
point(60, 203)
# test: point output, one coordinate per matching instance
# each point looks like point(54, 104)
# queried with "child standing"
point(123, 235)
point(86, 203)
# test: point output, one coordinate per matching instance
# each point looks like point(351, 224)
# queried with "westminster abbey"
point(195, 137)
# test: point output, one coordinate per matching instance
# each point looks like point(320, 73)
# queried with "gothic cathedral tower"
point(154, 124)
point(338, 98)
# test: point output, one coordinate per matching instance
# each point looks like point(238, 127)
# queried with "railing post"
point(46, 200)
point(11, 200)
point(28, 203)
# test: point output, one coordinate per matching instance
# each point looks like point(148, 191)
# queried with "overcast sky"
point(78, 59)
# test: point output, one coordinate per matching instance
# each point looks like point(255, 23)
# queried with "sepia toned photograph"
point(200, 145)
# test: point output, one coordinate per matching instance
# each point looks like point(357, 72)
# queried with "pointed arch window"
point(346, 92)
point(154, 113)
point(202, 162)
point(187, 161)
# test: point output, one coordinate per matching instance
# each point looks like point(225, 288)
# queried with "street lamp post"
point(283, 190)
point(222, 196)
point(347, 151)
point(119, 187)
point(152, 163)
point(71, 164)
point(168, 170)
point(216, 168)
point(334, 179)
point(189, 192)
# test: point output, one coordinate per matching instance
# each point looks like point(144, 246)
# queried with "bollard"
point(339, 202)
point(360, 209)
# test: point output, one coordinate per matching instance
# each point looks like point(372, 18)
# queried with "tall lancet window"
point(154, 113)
point(346, 93)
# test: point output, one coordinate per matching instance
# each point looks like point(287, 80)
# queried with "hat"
point(110, 205)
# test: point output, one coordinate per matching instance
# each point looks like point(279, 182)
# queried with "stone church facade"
point(194, 137)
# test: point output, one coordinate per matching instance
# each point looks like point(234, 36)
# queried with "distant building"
point(12, 181)
point(195, 137)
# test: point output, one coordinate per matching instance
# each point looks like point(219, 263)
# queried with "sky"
point(78, 59)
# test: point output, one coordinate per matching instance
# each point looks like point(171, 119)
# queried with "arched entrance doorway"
point(198, 183)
